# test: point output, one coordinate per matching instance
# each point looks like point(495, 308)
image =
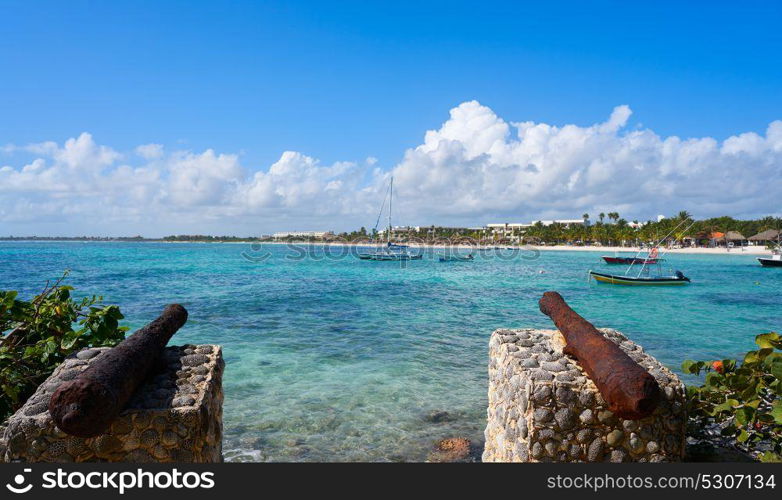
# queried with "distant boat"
point(391, 251)
point(651, 258)
point(629, 260)
point(776, 257)
point(390, 254)
point(677, 279)
point(456, 258)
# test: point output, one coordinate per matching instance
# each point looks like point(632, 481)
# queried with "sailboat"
point(390, 251)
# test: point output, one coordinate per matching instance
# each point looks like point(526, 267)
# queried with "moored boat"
point(389, 256)
point(456, 258)
point(391, 251)
point(629, 260)
point(677, 279)
point(774, 261)
point(776, 256)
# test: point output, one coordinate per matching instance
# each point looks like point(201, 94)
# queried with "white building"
point(401, 230)
point(514, 231)
point(300, 234)
point(506, 229)
point(566, 222)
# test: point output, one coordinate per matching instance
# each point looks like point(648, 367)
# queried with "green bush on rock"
point(742, 397)
point(36, 336)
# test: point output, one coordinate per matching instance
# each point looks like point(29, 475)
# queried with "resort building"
point(564, 222)
point(505, 231)
point(401, 232)
point(318, 235)
point(514, 231)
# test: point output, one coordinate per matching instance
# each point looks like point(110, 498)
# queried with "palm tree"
point(585, 216)
point(614, 216)
point(602, 216)
point(684, 215)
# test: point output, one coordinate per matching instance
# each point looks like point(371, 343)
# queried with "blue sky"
point(343, 81)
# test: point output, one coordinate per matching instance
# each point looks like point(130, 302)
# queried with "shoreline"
point(748, 250)
point(753, 250)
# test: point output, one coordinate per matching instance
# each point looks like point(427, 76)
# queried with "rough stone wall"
point(544, 408)
point(175, 417)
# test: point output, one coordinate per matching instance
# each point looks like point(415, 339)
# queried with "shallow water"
point(341, 359)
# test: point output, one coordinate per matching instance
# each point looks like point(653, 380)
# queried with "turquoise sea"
point(332, 358)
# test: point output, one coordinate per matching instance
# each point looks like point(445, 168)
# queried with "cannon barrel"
point(630, 391)
point(87, 405)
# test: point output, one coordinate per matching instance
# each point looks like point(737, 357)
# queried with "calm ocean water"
point(341, 359)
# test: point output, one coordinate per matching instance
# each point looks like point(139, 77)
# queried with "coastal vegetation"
point(37, 335)
point(743, 398)
point(208, 238)
point(618, 231)
point(609, 229)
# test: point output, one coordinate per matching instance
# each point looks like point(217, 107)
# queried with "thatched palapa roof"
point(734, 236)
point(767, 235)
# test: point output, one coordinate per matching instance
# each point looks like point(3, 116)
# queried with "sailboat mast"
point(390, 201)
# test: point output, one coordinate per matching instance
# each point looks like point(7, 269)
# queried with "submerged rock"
point(451, 450)
point(438, 416)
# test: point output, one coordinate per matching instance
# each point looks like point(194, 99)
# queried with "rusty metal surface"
point(630, 391)
point(86, 405)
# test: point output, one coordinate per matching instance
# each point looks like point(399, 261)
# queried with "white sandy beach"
point(749, 250)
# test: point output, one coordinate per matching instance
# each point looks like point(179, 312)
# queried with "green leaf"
point(689, 366)
point(768, 340)
point(751, 357)
point(69, 340)
point(765, 352)
point(776, 411)
point(726, 406)
point(728, 365)
point(744, 415)
point(713, 379)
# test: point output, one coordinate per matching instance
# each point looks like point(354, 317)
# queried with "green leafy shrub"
point(36, 336)
point(743, 397)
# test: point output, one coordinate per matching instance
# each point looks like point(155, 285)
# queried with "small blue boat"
point(456, 258)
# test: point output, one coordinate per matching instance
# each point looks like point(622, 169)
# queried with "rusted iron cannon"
point(630, 391)
point(87, 405)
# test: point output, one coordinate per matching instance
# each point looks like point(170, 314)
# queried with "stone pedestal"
point(175, 417)
point(543, 407)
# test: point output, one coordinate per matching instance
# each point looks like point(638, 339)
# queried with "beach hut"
point(735, 238)
point(716, 239)
point(765, 236)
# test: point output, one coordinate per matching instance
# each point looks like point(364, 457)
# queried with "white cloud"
point(475, 167)
point(150, 151)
